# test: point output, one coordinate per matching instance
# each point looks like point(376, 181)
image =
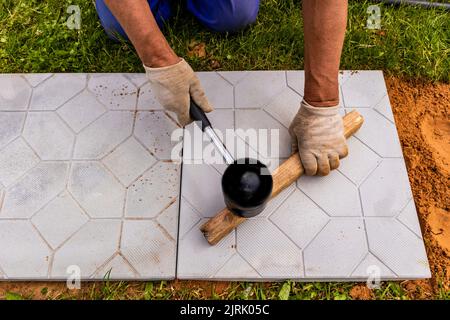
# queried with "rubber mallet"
point(287, 173)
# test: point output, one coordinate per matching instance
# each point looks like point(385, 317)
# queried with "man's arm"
point(138, 21)
point(173, 81)
point(325, 22)
point(317, 130)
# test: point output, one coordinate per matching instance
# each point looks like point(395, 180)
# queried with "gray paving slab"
point(16, 93)
point(357, 222)
point(86, 179)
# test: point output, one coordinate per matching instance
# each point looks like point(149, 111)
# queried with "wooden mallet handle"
point(225, 221)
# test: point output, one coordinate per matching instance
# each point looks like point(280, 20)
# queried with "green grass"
point(413, 42)
point(164, 290)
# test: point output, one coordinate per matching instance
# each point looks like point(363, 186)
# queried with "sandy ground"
point(422, 116)
point(421, 113)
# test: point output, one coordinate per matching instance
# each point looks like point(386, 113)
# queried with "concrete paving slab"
point(87, 181)
point(358, 222)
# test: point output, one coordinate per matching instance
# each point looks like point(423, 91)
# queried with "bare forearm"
point(136, 18)
point(324, 25)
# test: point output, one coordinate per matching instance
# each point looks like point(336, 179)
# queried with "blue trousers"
point(217, 15)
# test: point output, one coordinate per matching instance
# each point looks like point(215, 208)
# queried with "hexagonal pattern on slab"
point(409, 218)
point(296, 81)
point(81, 110)
point(274, 204)
point(139, 79)
point(218, 91)
point(363, 89)
point(23, 253)
point(236, 268)
point(112, 205)
point(189, 217)
point(49, 136)
point(252, 122)
point(154, 129)
point(59, 219)
point(96, 190)
point(335, 194)
point(258, 88)
point(399, 248)
point(384, 107)
point(379, 134)
point(148, 249)
point(129, 160)
point(11, 124)
point(337, 249)
point(208, 259)
point(34, 190)
point(15, 93)
point(109, 131)
point(299, 218)
point(268, 250)
point(168, 220)
point(361, 162)
point(285, 106)
point(233, 77)
point(386, 191)
point(88, 249)
point(15, 160)
point(147, 99)
point(116, 268)
point(53, 92)
point(371, 266)
point(67, 158)
point(315, 229)
point(35, 79)
point(154, 191)
point(115, 91)
point(201, 187)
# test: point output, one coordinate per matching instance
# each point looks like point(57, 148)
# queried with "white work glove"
point(174, 86)
point(318, 136)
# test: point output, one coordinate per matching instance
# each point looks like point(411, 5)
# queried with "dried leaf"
point(198, 50)
point(214, 64)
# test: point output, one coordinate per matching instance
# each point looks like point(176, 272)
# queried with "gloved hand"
point(173, 87)
point(318, 135)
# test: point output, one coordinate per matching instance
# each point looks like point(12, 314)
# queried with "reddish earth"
point(361, 292)
point(422, 116)
point(421, 113)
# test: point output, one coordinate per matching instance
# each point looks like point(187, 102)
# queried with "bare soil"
point(421, 113)
point(361, 292)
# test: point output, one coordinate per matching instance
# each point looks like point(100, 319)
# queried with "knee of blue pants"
point(224, 15)
point(161, 10)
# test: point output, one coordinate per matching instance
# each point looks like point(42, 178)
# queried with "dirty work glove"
point(174, 85)
point(318, 136)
